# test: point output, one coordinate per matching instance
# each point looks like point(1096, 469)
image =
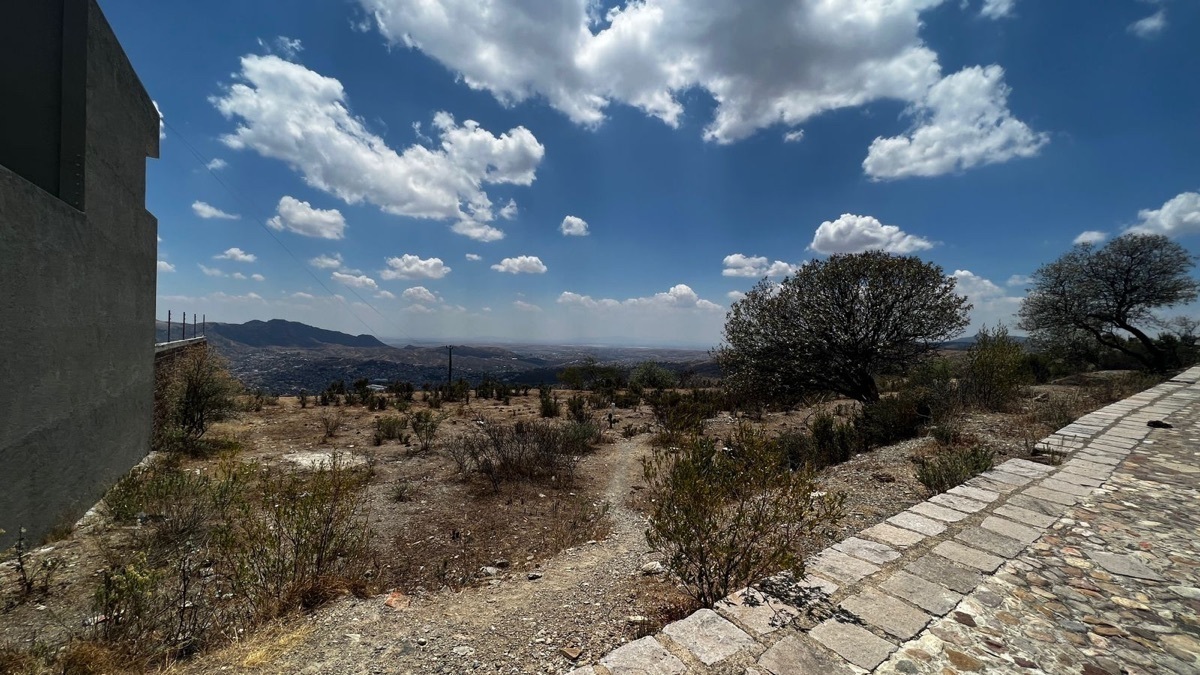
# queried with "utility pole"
point(183, 332)
point(193, 324)
point(449, 365)
point(168, 325)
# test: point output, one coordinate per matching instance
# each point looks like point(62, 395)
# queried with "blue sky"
point(610, 171)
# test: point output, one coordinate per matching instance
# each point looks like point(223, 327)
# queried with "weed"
point(950, 468)
point(425, 425)
point(331, 422)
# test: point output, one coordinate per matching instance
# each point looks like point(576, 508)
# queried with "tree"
point(650, 375)
point(1109, 295)
point(836, 324)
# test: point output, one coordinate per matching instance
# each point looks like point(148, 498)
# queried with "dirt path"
point(510, 625)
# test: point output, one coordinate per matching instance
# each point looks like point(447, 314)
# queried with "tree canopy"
point(1108, 295)
point(836, 324)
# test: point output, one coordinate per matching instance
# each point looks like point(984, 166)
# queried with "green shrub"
point(425, 425)
point(891, 419)
point(577, 408)
point(390, 427)
point(550, 407)
point(833, 441)
point(193, 389)
point(724, 518)
point(995, 371)
point(950, 468)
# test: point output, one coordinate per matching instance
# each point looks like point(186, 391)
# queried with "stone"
point(990, 541)
point(1067, 487)
point(463, 650)
point(957, 503)
point(939, 570)
point(586, 670)
point(489, 571)
point(887, 613)
point(1039, 520)
point(1189, 592)
point(1037, 505)
point(1005, 477)
point(709, 637)
point(645, 656)
point(795, 654)
point(1039, 492)
point(571, 653)
point(890, 534)
point(756, 611)
point(839, 566)
point(963, 661)
point(398, 601)
point(931, 597)
point(1125, 565)
point(1007, 528)
point(930, 510)
point(970, 557)
point(974, 493)
point(869, 551)
point(652, 568)
point(853, 643)
point(534, 576)
point(917, 523)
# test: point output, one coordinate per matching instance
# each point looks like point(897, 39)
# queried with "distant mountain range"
point(286, 356)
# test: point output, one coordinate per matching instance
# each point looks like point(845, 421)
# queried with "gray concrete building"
point(77, 263)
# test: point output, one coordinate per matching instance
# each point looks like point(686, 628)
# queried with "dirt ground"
point(567, 583)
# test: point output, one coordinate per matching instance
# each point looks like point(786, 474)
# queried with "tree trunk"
point(864, 389)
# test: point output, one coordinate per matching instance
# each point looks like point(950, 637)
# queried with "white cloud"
point(409, 266)
point(164, 266)
point(962, 122)
point(258, 277)
point(418, 294)
point(238, 275)
point(1150, 27)
point(473, 257)
point(286, 47)
point(1179, 216)
point(763, 67)
point(419, 309)
point(735, 295)
point(1091, 237)
point(162, 132)
point(992, 304)
point(738, 265)
point(523, 264)
point(854, 234)
point(679, 296)
point(355, 280)
point(217, 164)
point(525, 306)
point(236, 255)
point(327, 262)
point(211, 271)
point(997, 9)
point(1019, 280)
point(300, 217)
point(385, 295)
point(288, 112)
point(303, 296)
point(586, 301)
point(509, 211)
point(794, 136)
point(208, 211)
point(573, 226)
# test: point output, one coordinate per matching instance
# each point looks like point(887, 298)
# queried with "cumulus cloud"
point(1151, 26)
point(992, 304)
point(238, 275)
point(327, 262)
point(418, 309)
point(355, 280)
point(217, 164)
point(735, 295)
point(474, 257)
point(854, 234)
point(997, 9)
point(1019, 280)
point(509, 211)
point(385, 295)
point(962, 122)
point(409, 266)
point(680, 296)
point(585, 301)
point(419, 294)
point(523, 264)
point(211, 271)
point(573, 226)
point(282, 45)
point(208, 211)
point(1180, 215)
point(288, 112)
point(300, 217)
point(526, 306)
point(236, 255)
point(738, 265)
point(164, 266)
point(794, 136)
point(162, 132)
point(258, 277)
point(300, 295)
point(1091, 237)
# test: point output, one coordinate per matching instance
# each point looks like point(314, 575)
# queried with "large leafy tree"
point(836, 324)
point(1108, 295)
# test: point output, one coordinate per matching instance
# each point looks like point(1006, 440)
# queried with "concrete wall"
point(77, 305)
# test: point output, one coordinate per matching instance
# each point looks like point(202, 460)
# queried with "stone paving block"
point(1039, 492)
point(1005, 477)
point(1097, 458)
point(796, 655)
point(1041, 506)
point(1076, 479)
point(643, 657)
point(1024, 467)
point(957, 503)
point(709, 637)
point(974, 493)
point(950, 574)
point(840, 567)
point(1066, 486)
point(917, 523)
point(931, 597)
point(853, 643)
point(756, 611)
point(1022, 533)
point(990, 541)
point(991, 485)
point(878, 554)
point(890, 534)
point(1090, 469)
point(970, 557)
point(893, 616)
point(1125, 565)
point(930, 510)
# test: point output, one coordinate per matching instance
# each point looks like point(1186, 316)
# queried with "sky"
point(585, 171)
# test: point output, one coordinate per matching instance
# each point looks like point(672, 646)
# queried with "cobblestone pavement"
point(1092, 566)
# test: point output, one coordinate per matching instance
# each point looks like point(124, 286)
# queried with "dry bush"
point(192, 390)
point(537, 451)
point(331, 422)
point(725, 518)
point(19, 661)
point(995, 371)
point(952, 467)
